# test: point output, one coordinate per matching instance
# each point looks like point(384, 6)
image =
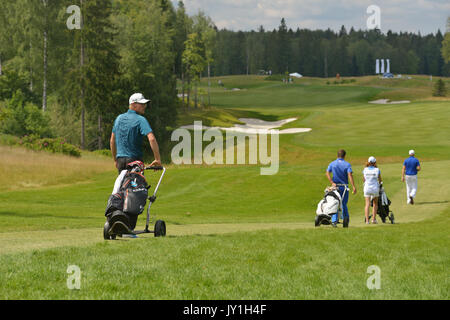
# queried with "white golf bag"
point(330, 205)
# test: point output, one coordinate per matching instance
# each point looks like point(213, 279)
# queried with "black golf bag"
point(383, 206)
point(125, 205)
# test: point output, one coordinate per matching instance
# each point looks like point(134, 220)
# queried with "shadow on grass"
point(431, 202)
point(40, 215)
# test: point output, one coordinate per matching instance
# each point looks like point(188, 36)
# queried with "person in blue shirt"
point(411, 167)
point(341, 172)
point(128, 132)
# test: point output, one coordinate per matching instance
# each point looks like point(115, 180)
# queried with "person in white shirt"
point(372, 180)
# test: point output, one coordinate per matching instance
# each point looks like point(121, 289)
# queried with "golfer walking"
point(411, 167)
point(372, 181)
point(342, 172)
point(128, 132)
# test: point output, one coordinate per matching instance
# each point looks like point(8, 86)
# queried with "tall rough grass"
point(21, 168)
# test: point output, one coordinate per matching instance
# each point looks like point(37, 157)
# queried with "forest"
point(68, 67)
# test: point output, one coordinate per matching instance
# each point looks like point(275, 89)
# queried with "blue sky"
point(426, 16)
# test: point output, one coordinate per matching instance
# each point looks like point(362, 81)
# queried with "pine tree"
point(93, 79)
point(439, 89)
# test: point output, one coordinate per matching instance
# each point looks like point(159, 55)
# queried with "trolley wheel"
point(392, 218)
point(317, 222)
point(106, 235)
point(160, 228)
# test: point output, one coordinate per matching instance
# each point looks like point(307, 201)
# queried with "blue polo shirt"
point(129, 129)
point(340, 169)
point(411, 165)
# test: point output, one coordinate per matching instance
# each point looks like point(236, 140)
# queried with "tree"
point(11, 82)
point(93, 81)
point(183, 27)
point(439, 89)
point(446, 43)
point(204, 26)
point(102, 64)
point(24, 118)
point(194, 58)
point(283, 46)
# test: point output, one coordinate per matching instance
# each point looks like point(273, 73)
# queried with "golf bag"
point(328, 206)
point(129, 196)
point(383, 206)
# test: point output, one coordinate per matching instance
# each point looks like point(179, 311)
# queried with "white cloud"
point(426, 16)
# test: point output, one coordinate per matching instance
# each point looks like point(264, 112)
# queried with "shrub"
point(23, 118)
point(11, 82)
point(8, 140)
point(439, 89)
point(58, 145)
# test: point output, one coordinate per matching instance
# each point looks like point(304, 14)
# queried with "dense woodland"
point(72, 83)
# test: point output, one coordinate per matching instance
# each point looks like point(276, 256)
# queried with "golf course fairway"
point(233, 233)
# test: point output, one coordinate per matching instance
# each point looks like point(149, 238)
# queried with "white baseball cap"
point(138, 98)
point(372, 160)
point(412, 152)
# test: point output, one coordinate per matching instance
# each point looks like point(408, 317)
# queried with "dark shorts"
point(123, 162)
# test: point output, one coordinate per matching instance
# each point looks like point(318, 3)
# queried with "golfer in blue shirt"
point(342, 172)
point(411, 167)
point(128, 132)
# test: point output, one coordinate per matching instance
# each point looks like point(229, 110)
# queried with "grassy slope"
point(281, 263)
point(24, 169)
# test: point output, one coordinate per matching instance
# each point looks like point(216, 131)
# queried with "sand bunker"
point(257, 126)
point(387, 101)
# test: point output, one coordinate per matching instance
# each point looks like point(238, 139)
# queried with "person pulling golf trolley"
point(383, 209)
point(128, 201)
point(339, 173)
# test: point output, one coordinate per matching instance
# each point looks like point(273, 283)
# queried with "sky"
point(426, 16)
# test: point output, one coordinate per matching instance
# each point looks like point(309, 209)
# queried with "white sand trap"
point(387, 101)
point(257, 126)
point(261, 124)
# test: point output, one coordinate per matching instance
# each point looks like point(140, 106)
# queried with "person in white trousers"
point(372, 180)
point(411, 168)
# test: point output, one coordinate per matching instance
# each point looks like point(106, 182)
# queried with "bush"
point(58, 145)
point(439, 89)
point(23, 118)
point(11, 82)
point(8, 140)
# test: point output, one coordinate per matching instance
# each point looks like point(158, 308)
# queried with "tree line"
point(325, 53)
point(73, 82)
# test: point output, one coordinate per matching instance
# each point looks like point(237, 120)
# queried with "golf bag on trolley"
point(128, 198)
point(330, 205)
point(383, 206)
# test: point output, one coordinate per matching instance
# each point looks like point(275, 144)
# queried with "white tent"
point(296, 75)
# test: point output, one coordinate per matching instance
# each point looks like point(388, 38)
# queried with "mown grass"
point(274, 264)
point(63, 223)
